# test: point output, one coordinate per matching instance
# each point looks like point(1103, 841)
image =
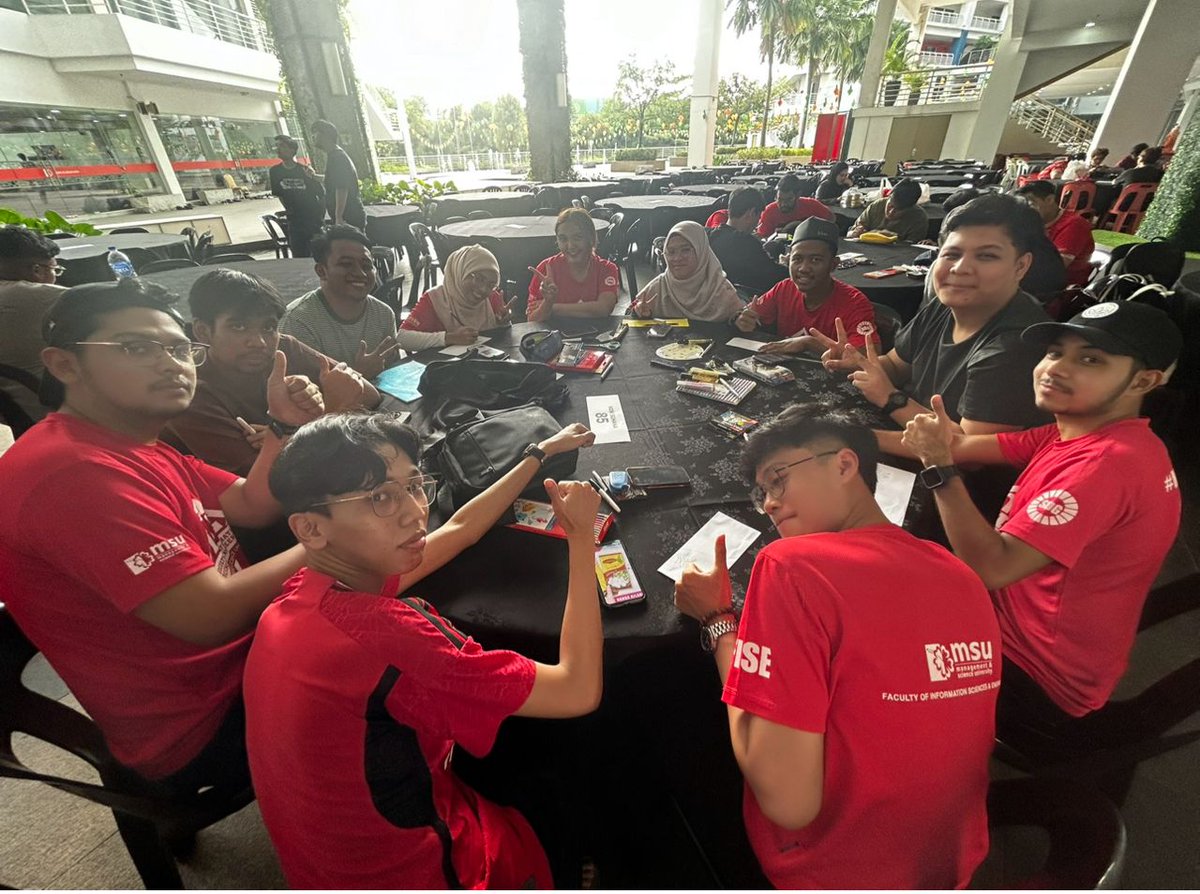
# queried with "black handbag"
point(475, 455)
point(460, 388)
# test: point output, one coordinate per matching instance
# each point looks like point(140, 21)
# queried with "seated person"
point(1094, 512)
point(789, 206)
point(1146, 171)
point(116, 554)
point(576, 282)
point(1052, 171)
point(28, 270)
point(466, 303)
point(836, 182)
point(342, 662)
point(721, 215)
point(693, 285)
point(1070, 233)
point(237, 315)
point(898, 213)
point(342, 319)
point(966, 346)
point(811, 298)
point(1131, 160)
point(1097, 158)
point(740, 252)
point(842, 689)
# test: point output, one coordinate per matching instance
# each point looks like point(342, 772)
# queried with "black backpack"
point(458, 388)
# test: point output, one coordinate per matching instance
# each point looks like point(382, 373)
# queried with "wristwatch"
point(938, 476)
point(281, 430)
point(536, 452)
point(714, 630)
point(895, 401)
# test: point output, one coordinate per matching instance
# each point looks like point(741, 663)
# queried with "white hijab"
point(705, 295)
point(450, 300)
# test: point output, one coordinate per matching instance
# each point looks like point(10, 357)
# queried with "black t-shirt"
point(988, 377)
point(300, 193)
point(828, 190)
point(1147, 174)
point(744, 260)
point(340, 173)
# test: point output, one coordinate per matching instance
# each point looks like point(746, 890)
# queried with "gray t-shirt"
point(22, 306)
point(309, 319)
point(986, 378)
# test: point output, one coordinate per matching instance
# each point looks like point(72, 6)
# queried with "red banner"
point(12, 174)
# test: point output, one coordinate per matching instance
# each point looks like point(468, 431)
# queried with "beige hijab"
point(450, 298)
point(706, 294)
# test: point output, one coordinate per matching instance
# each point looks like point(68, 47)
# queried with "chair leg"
point(149, 852)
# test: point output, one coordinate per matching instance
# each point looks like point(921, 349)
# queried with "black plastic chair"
point(479, 215)
point(427, 262)
point(887, 322)
point(610, 243)
point(635, 242)
point(388, 286)
point(167, 264)
point(11, 413)
point(152, 823)
point(523, 187)
point(227, 258)
point(203, 247)
point(278, 231)
point(492, 189)
point(116, 231)
point(1086, 834)
point(658, 260)
point(458, 218)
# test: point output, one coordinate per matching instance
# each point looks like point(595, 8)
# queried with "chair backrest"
point(228, 258)
point(576, 203)
point(115, 231)
point(523, 187)
point(1078, 196)
point(586, 201)
point(203, 247)
point(887, 322)
point(657, 259)
point(1134, 198)
point(479, 215)
point(610, 243)
point(167, 264)
point(492, 189)
point(276, 229)
point(457, 218)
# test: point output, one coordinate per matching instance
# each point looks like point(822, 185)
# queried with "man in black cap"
point(811, 298)
point(301, 193)
point(1088, 523)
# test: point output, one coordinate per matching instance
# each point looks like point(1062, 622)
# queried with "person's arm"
point(478, 516)
point(766, 222)
point(877, 377)
point(575, 684)
point(965, 448)
point(343, 388)
point(998, 558)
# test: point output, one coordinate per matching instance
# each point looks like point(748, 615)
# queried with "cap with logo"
point(821, 230)
point(1127, 328)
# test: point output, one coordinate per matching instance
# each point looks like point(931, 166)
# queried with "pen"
point(598, 483)
point(245, 426)
point(607, 370)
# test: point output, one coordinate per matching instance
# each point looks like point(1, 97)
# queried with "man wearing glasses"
point(28, 270)
point(117, 556)
point(860, 678)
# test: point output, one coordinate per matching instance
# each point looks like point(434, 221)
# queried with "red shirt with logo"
point(888, 646)
point(1105, 508)
point(717, 218)
point(354, 703)
point(602, 276)
point(773, 218)
point(93, 525)
point(1072, 235)
point(424, 316)
point(782, 306)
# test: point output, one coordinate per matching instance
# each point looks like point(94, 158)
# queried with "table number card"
point(606, 419)
point(893, 490)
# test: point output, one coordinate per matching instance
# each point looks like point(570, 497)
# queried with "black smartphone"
point(653, 477)
point(659, 331)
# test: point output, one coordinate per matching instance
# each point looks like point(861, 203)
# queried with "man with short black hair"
point(342, 198)
point(737, 248)
point(1070, 233)
point(28, 270)
point(301, 193)
point(899, 213)
point(860, 678)
point(789, 206)
point(1146, 171)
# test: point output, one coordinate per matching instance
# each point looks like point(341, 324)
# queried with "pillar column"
point(1154, 72)
point(158, 152)
point(702, 126)
point(995, 103)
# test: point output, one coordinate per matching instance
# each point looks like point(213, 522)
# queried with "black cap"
point(1127, 328)
point(818, 229)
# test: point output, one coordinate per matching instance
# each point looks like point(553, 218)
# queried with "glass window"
point(205, 150)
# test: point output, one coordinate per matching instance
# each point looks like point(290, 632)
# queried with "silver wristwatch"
point(714, 630)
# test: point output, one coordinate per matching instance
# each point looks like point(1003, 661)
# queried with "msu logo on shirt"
point(1054, 507)
point(961, 660)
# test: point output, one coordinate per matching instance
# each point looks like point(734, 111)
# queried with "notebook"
point(732, 390)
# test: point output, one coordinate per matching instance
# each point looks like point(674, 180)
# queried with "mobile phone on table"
point(489, 353)
point(659, 331)
point(654, 477)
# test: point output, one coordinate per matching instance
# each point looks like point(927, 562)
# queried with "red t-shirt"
point(354, 703)
point(1072, 235)
point(717, 218)
point(424, 318)
point(782, 306)
point(602, 276)
point(92, 525)
point(888, 646)
point(772, 218)
point(1105, 508)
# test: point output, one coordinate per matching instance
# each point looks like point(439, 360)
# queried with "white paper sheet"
point(459, 350)
point(700, 546)
point(606, 419)
point(746, 344)
point(893, 488)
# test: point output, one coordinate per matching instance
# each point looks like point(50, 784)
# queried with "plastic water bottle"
point(120, 264)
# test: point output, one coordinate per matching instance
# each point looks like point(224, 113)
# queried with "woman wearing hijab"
point(836, 182)
point(694, 285)
point(466, 303)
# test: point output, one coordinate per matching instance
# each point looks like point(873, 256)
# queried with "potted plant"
point(897, 59)
point(915, 81)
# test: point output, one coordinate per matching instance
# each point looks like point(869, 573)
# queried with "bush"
point(636, 155)
point(418, 192)
point(771, 153)
point(50, 222)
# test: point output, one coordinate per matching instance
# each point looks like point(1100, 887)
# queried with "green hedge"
point(772, 152)
point(1175, 212)
point(636, 155)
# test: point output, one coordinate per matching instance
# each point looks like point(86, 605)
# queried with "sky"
point(466, 51)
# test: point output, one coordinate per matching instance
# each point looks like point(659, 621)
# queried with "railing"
point(937, 59)
point(959, 83)
point(1052, 123)
point(978, 57)
point(202, 17)
point(944, 17)
point(986, 23)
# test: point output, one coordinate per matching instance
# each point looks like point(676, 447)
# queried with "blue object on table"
point(401, 381)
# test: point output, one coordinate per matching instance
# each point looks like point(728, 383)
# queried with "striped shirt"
point(309, 319)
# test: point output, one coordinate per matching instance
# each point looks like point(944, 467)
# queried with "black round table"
point(520, 242)
point(497, 204)
point(845, 218)
point(388, 225)
point(86, 257)
point(293, 277)
point(663, 211)
point(577, 189)
point(708, 189)
point(900, 292)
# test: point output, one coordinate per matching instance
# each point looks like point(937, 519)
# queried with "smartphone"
point(614, 573)
point(489, 353)
point(659, 331)
point(653, 477)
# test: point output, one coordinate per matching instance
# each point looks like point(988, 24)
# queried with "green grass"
point(1109, 239)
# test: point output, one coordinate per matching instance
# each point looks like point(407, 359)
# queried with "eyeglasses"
point(774, 490)
point(56, 269)
point(387, 497)
point(145, 351)
point(483, 278)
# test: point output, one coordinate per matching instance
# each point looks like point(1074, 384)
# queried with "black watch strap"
point(281, 430)
point(896, 400)
point(536, 452)
point(934, 477)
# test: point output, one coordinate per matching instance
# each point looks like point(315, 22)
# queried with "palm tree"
point(851, 38)
point(775, 19)
point(813, 38)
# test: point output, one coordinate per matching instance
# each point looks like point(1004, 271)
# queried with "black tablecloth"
point(497, 204)
point(845, 218)
point(706, 189)
point(577, 189)
point(524, 241)
point(900, 292)
point(663, 211)
point(694, 176)
point(86, 257)
point(293, 277)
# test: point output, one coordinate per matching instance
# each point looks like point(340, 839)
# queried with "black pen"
point(598, 483)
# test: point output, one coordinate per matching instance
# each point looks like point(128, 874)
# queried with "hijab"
point(450, 298)
point(705, 295)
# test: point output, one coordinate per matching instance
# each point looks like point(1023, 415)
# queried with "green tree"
point(737, 99)
point(508, 124)
point(813, 39)
point(776, 20)
point(640, 88)
point(544, 66)
point(420, 128)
